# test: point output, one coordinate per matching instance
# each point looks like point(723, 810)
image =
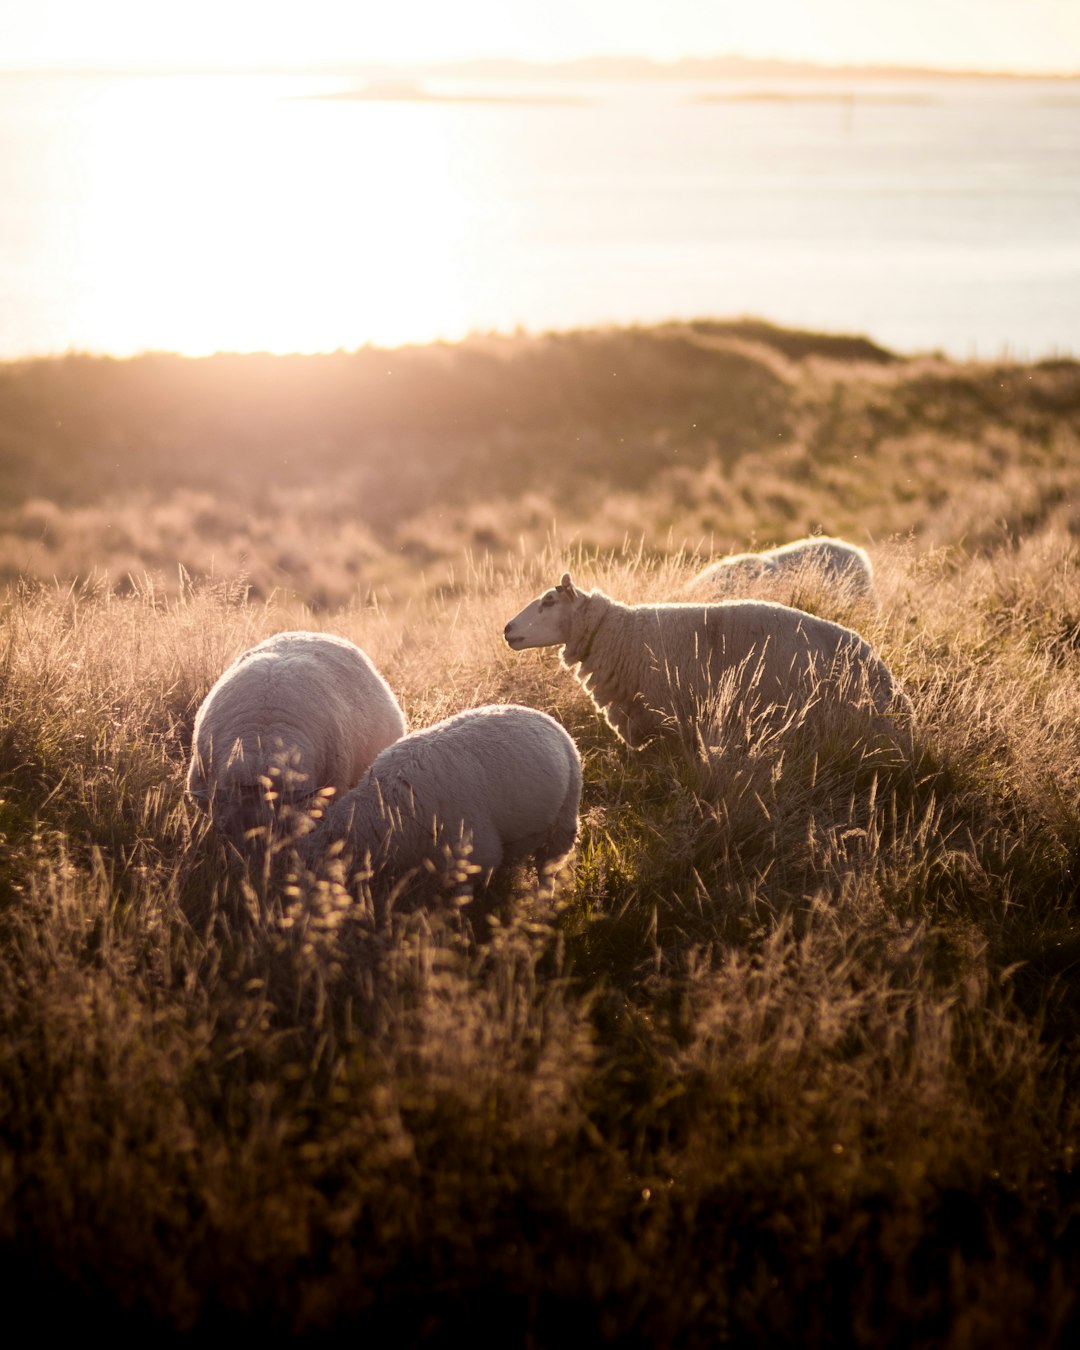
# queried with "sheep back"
point(308, 709)
point(502, 782)
point(658, 669)
point(829, 561)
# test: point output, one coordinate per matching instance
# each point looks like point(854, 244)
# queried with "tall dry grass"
point(790, 1055)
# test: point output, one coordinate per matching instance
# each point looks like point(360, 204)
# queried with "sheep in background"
point(496, 785)
point(832, 562)
point(657, 669)
point(292, 716)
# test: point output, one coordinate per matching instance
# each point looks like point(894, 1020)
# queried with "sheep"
point(495, 785)
point(834, 562)
point(657, 670)
point(300, 712)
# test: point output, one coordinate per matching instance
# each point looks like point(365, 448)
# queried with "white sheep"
point(658, 669)
point(495, 785)
point(297, 713)
point(834, 562)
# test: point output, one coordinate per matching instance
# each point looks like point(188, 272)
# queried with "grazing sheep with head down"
point(657, 669)
point(834, 562)
point(498, 784)
point(296, 714)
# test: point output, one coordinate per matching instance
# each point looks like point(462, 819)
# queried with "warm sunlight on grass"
point(789, 1053)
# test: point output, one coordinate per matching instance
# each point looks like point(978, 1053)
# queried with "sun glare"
point(231, 214)
point(304, 211)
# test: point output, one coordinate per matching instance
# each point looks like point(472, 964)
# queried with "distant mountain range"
point(725, 67)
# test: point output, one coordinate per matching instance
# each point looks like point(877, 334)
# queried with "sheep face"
point(246, 796)
point(545, 621)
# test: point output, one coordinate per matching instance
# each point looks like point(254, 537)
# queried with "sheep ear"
point(566, 585)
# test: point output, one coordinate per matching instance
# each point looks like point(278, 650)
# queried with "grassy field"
point(792, 1055)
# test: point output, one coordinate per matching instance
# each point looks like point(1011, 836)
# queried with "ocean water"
point(197, 214)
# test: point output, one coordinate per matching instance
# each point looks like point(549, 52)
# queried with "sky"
point(1020, 35)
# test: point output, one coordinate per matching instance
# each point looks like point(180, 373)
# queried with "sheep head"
point(545, 621)
point(248, 791)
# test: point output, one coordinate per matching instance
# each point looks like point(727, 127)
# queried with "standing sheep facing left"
point(657, 670)
point(293, 715)
point(499, 784)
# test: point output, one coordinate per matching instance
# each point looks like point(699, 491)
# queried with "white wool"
point(499, 784)
point(657, 669)
point(306, 710)
point(833, 562)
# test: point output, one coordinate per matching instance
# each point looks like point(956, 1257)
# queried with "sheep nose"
point(506, 630)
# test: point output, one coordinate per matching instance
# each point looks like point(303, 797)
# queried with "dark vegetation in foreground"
point(792, 1057)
